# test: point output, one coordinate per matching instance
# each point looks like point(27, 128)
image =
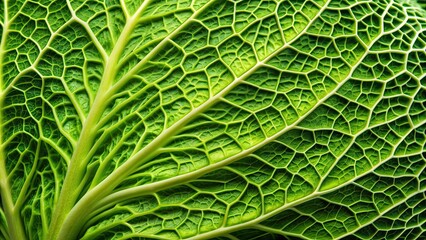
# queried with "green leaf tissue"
point(212, 119)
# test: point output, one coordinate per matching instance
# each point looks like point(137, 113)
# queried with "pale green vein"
point(277, 231)
point(13, 219)
point(383, 213)
point(58, 122)
point(147, 189)
point(32, 68)
point(149, 151)
point(125, 10)
point(28, 180)
point(89, 189)
point(157, 49)
point(75, 174)
point(369, 116)
point(89, 31)
point(136, 68)
point(145, 59)
point(248, 224)
point(137, 157)
point(141, 156)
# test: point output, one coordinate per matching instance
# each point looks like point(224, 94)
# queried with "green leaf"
point(222, 119)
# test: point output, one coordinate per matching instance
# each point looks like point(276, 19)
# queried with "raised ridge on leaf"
point(212, 119)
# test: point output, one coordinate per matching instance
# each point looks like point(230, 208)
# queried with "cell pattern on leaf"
point(213, 119)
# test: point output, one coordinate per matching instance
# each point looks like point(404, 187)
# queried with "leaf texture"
point(213, 119)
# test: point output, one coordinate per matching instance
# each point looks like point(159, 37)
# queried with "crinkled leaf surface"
point(249, 119)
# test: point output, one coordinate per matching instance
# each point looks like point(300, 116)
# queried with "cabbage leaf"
point(212, 119)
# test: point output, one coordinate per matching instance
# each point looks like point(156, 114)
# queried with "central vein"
point(71, 189)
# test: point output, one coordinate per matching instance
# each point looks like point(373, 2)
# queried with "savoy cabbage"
point(224, 119)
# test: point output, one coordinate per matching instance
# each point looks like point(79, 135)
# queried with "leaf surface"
point(181, 119)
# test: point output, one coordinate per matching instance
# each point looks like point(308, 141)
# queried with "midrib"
point(108, 184)
point(157, 186)
point(147, 152)
point(63, 230)
point(69, 192)
point(76, 169)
